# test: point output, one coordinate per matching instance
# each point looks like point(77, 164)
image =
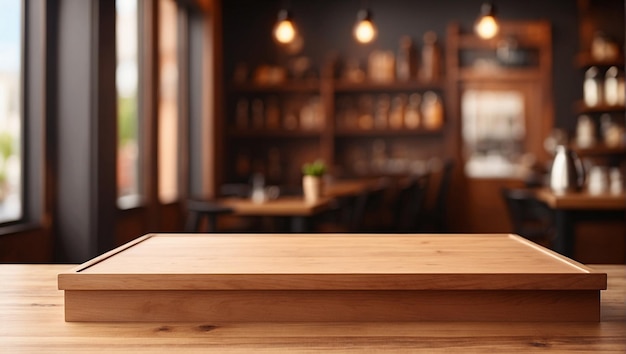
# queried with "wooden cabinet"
point(501, 91)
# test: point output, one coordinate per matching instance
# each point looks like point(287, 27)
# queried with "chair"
point(198, 209)
point(236, 223)
point(409, 204)
point(366, 212)
point(434, 219)
point(531, 218)
point(241, 190)
point(353, 213)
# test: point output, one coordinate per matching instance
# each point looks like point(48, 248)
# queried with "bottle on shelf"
point(413, 116)
point(585, 132)
point(366, 108)
point(592, 87)
point(431, 58)
point(381, 66)
point(406, 60)
point(258, 113)
point(290, 119)
point(241, 117)
point(611, 132)
point(613, 87)
point(432, 111)
point(272, 113)
point(616, 181)
point(381, 117)
point(396, 116)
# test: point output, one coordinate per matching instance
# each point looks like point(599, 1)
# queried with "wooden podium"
point(331, 277)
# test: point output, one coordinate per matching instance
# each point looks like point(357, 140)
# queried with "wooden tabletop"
point(332, 262)
point(31, 320)
point(582, 200)
point(346, 188)
point(282, 206)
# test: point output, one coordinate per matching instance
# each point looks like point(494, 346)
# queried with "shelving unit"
point(328, 141)
point(592, 55)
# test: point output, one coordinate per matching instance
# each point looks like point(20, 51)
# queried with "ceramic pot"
point(312, 188)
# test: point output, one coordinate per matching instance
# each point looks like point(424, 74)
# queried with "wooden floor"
point(31, 320)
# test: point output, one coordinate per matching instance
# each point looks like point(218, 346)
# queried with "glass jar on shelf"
point(592, 87)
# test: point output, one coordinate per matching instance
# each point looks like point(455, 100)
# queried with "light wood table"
point(348, 188)
point(294, 208)
point(572, 207)
point(32, 320)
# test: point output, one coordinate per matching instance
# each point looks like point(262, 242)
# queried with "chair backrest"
point(366, 202)
point(529, 216)
point(242, 190)
point(198, 209)
point(409, 203)
point(444, 187)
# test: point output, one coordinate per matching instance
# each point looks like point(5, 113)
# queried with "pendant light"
point(486, 25)
point(285, 30)
point(364, 30)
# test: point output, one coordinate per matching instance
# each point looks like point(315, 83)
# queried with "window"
point(11, 123)
point(127, 78)
point(493, 132)
point(168, 102)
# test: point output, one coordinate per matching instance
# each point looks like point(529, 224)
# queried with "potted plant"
point(312, 180)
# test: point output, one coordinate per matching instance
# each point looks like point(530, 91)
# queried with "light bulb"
point(364, 30)
point(285, 30)
point(487, 27)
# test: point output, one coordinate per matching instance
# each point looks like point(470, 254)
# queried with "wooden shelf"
point(386, 132)
point(499, 73)
point(345, 86)
point(584, 60)
point(600, 150)
point(582, 108)
point(309, 86)
point(275, 133)
point(471, 41)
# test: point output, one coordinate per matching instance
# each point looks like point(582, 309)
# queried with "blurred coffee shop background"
point(114, 113)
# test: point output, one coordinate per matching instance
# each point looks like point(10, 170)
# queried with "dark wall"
point(326, 26)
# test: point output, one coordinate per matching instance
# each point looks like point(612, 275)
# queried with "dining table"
point(32, 321)
point(573, 207)
point(295, 208)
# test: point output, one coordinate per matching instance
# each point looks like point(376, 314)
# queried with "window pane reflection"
point(127, 78)
point(168, 102)
point(10, 110)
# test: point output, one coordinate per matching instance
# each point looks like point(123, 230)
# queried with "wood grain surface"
point(31, 320)
point(332, 277)
point(331, 262)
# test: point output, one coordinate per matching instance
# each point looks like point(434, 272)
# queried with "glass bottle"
point(592, 88)
point(405, 60)
point(241, 119)
point(611, 86)
point(432, 111)
point(412, 116)
point(431, 58)
point(258, 113)
point(396, 116)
